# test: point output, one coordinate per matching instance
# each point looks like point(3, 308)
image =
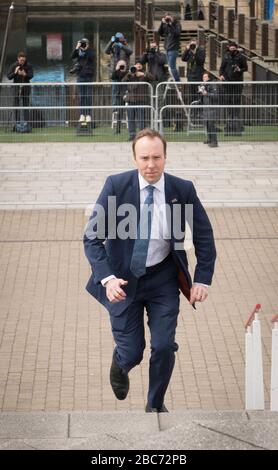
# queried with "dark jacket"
point(86, 63)
point(171, 34)
point(117, 76)
point(138, 94)
point(195, 63)
point(228, 65)
point(157, 62)
point(114, 256)
point(210, 99)
point(118, 52)
point(19, 78)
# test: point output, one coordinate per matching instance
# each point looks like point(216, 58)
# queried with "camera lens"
point(122, 67)
point(83, 44)
point(193, 46)
point(133, 69)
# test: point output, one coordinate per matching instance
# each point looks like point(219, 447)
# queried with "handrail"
point(250, 319)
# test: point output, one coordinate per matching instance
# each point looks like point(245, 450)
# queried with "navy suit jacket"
point(108, 254)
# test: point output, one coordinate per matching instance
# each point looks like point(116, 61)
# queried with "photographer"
point(118, 49)
point(84, 70)
point(195, 57)
point(209, 96)
point(119, 91)
point(157, 63)
point(232, 68)
point(21, 72)
point(170, 29)
point(137, 95)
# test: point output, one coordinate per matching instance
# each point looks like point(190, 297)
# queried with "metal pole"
point(3, 56)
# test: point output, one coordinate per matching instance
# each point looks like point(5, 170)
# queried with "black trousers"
point(21, 98)
point(233, 94)
point(211, 132)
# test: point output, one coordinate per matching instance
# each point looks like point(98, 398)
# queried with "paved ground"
point(55, 340)
point(47, 174)
point(56, 344)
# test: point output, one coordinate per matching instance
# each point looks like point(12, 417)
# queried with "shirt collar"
point(158, 185)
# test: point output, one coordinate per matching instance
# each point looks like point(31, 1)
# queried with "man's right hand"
point(114, 292)
point(78, 45)
point(17, 69)
point(221, 78)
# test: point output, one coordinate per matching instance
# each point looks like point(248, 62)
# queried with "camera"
point(192, 46)
point(75, 69)
point(167, 19)
point(133, 69)
point(201, 89)
point(122, 67)
point(83, 44)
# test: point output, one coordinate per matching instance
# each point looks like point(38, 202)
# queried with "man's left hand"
point(198, 293)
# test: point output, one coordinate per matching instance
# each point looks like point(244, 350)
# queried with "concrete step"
point(189, 429)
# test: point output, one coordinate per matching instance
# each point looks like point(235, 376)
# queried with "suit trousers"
point(158, 293)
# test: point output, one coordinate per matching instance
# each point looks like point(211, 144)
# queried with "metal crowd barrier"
point(110, 111)
point(241, 111)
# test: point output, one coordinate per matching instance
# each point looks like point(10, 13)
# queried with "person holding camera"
point(137, 96)
point(21, 72)
point(119, 90)
point(157, 63)
point(170, 30)
point(195, 56)
point(84, 70)
point(209, 96)
point(118, 49)
point(232, 68)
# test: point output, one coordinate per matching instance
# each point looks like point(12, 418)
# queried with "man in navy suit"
point(134, 242)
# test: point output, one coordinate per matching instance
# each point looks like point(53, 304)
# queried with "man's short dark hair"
point(151, 134)
point(21, 54)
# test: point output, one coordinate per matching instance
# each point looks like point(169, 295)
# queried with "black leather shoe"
point(119, 381)
point(161, 409)
point(213, 144)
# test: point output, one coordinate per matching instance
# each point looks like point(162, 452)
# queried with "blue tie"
point(141, 244)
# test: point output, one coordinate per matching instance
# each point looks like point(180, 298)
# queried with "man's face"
point(205, 77)
point(153, 45)
point(21, 60)
point(150, 158)
point(232, 49)
point(139, 67)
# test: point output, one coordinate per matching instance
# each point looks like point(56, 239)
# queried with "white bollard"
point(258, 381)
point(254, 384)
point(274, 367)
point(249, 399)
